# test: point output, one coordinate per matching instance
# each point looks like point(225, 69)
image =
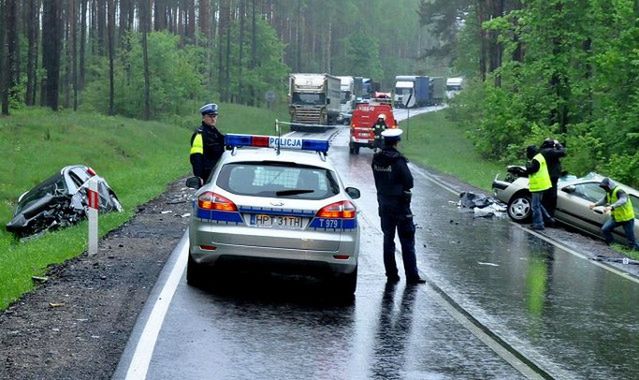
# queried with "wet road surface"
point(563, 314)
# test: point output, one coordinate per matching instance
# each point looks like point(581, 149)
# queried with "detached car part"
point(60, 201)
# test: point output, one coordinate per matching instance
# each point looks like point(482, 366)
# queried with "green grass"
point(432, 141)
point(138, 159)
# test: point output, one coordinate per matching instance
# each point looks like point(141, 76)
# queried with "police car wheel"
point(194, 273)
point(344, 285)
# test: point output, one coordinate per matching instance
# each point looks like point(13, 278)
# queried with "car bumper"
point(337, 253)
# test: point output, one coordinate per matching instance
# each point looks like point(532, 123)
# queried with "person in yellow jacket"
point(207, 143)
point(618, 204)
point(538, 183)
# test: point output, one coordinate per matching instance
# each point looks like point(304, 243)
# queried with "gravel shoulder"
point(77, 323)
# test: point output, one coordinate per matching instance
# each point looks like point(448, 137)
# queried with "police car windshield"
point(273, 179)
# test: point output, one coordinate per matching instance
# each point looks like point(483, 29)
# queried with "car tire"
point(344, 285)
point(194, 273)
point(520, 208)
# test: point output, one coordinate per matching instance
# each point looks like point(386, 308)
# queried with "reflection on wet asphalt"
point(283, 328)
point(570, 317)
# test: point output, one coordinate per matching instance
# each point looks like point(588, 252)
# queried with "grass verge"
point(432, 141)
point(137, 158)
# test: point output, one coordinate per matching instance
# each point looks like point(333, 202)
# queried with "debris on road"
point(481, 205)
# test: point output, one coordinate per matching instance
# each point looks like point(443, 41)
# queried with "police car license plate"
point(276, 221)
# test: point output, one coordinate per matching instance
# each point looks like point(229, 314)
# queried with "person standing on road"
point(618, 204)
point(394, 181)
point(538, 183)
point(379, 127)
point(207, 143)
point(553, 151)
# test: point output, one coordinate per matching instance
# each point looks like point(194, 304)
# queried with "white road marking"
point(146, 344)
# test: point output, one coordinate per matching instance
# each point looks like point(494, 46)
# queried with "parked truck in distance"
point(347, 99)
point(314, 100)
point(453, 86)
point(412, 91)
point(437, 90)
point(364, 88)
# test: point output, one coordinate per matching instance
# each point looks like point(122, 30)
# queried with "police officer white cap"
point(392, 134)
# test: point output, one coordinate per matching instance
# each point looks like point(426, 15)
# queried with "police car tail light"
point(91, 171)
point(212, 201)
point(338, 210)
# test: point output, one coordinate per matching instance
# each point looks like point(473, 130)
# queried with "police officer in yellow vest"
point(538, 182)
point(207, 143)
point(618, 204)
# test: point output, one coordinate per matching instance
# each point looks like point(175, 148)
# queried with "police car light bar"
point(238, 140)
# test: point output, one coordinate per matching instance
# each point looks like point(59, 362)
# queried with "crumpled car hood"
point(47, 207)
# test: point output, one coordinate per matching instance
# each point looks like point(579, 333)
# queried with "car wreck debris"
point(481, 205)
point(60, 201)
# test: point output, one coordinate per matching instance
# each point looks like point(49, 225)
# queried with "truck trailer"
point(314, 100)
point(412, 91)
point(347, 98)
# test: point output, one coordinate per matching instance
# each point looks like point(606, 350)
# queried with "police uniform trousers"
point(402, 222)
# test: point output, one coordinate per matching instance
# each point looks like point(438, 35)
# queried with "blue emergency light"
point(239, 140)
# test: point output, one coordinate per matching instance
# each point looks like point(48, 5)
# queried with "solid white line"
point(550, 240)
point(146, 344)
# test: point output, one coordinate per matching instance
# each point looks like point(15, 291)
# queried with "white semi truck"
point(314, 100)
point(347, 98)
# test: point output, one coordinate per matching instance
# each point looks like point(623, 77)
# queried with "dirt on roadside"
point(76, 324)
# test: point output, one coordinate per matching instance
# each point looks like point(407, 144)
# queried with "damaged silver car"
point(60, 201)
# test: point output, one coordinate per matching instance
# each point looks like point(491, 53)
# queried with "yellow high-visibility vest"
point(540, 180)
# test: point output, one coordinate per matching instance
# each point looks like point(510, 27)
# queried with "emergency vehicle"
point(274, 204)
point(363, 121)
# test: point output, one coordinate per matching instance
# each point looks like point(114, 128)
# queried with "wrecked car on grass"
point(60, 201)
point(574, 196)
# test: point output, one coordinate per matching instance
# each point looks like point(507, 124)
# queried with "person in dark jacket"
point(618, 204)
point(394, 182)
point(553, 151)
point(207, 143)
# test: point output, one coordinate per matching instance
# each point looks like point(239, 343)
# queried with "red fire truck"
point(363, 121)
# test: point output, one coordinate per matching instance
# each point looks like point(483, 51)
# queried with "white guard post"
point(93, 200)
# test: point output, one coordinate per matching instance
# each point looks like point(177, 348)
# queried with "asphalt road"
point(501, 302)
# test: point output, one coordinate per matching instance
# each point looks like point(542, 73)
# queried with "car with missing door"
point(574, 196)
point(275, 204)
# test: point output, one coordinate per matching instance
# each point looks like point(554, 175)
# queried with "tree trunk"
point(145, 18)
point(74, 52)
point(101, 40)
point(10, 65)
point(111, 49)
point(481, 17)
point(83, 35)
point(223, 28)
point(4, 92)
point(33, 26)
point(240, 92)
point(51, 30)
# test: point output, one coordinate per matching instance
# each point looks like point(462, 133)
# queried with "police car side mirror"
point(569, 189)
point(193, 182)
point(353, 192)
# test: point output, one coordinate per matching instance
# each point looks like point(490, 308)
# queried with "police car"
point(277, 204)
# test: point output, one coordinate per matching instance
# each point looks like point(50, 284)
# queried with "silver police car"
point(276, 204)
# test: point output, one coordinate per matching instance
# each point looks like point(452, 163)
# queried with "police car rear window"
point(277, 180)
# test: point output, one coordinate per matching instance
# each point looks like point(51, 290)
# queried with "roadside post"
point(93, 201)
point(406, 103)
